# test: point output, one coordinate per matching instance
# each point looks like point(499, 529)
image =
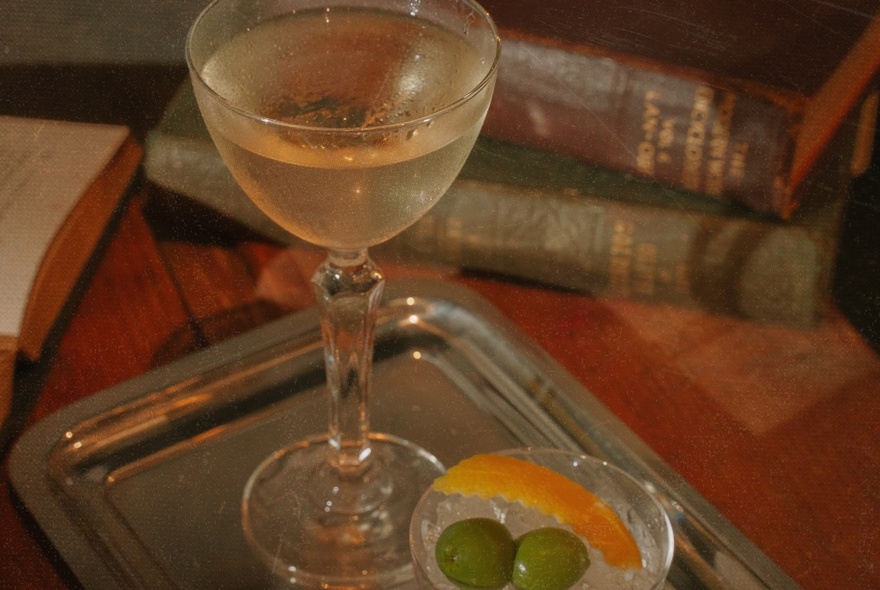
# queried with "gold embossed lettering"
point(738, 161)
point(718, 144)
point(645, 154)
point(695, 139)
point(620, 260)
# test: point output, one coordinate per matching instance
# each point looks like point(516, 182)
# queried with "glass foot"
point(315, 527)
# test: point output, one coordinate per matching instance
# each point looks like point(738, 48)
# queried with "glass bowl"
point(637, 508)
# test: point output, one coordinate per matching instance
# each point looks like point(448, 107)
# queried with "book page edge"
point(44, 302)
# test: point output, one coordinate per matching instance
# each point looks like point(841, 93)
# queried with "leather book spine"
point(725, 139)
point(624, 250)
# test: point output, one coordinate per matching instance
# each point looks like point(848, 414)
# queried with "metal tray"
point(139, 486)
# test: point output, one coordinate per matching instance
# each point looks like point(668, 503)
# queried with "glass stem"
point(348, 287)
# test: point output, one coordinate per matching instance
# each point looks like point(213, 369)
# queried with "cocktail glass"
point(637, 508)
point(344, 121)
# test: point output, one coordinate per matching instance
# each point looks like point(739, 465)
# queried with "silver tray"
point(139, 486)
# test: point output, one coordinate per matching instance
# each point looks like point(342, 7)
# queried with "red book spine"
point(726, 139)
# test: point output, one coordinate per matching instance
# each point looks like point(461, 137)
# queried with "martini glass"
point(344, 121)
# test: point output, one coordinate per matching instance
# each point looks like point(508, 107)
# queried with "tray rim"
point(33, 447)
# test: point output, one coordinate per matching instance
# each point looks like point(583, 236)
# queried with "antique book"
point(544, 217)
point(60, 184)
point(733, 101)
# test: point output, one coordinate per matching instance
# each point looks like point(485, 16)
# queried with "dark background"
point(120, 62)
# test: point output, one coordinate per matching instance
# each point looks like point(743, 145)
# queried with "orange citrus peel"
point(516, 480)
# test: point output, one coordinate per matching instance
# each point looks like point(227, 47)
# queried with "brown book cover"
point(736, 101)
point(60, 183)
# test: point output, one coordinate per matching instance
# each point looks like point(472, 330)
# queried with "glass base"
point(315, 528)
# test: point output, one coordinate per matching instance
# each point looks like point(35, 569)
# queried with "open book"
point(60, 184)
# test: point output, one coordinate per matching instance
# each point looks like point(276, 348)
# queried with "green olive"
point(476, 553)
point(549, 559)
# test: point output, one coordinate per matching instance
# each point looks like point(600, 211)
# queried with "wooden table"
point(778, 428)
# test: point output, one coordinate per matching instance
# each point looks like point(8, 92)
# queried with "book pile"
point(706, 162)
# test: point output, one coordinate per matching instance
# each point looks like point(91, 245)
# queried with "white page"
point(45, 167)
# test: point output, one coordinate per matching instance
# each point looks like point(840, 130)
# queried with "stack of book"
point(706, 166)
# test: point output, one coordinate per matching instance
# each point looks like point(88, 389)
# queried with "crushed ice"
point(520, 520)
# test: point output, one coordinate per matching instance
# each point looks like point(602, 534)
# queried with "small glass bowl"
point(637, 508)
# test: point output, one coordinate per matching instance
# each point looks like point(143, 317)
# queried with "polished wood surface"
point(778, 428)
